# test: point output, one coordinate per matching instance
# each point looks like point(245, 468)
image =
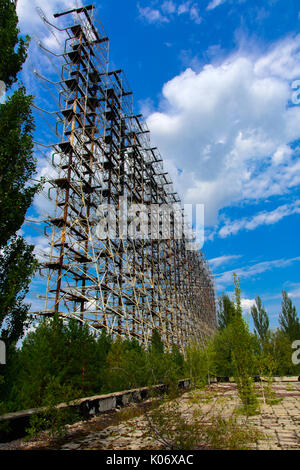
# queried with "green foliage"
point(52, 418)
point(128, 365)
point(200, 363)
point(243, 357)
point(61, 356)
point(171, 428)
point(226, 311)
point(125, 366)
point(163, 368)
point(279, 348)
point(222, 346)
point(64, 360)
point(57, 353)
point(260, 319)
point(237, 295)
point(234, 348)
point(288, 320)
point(104, 342)
point(176, 428)
point(17, 266)
point(178, 359)
point(265, 346)
point(17, 163)
point(157, 346)
point(17, 166)
point(13, 49)
point(267, 368)
point(229, 434)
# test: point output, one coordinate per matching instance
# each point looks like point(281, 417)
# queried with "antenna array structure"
point(127, 285)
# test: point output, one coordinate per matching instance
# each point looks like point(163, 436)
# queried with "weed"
point(230, 435)
point(53, 420)
point(128, 413)
point(178, 427)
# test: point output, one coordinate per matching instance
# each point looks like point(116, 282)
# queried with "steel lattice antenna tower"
point(127, 285)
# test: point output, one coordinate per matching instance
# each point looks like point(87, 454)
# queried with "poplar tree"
point(260, 320)
point(226, 311)
point(243, 355)
point(17, 166)
point(288, 320)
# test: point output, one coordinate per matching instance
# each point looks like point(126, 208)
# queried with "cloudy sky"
point(217, 82)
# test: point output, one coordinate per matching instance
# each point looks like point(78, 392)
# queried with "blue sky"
point(214, 80)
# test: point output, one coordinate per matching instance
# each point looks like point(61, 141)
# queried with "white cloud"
point(226, 278)
point(192, 10)
point(283, 62)
point(231, 227)
point(42, 204)
point(282, 154)
point(28, 16)
point(295, 293)
point(183, 8)
point(152, 15)
point(31, 22)
point(168, 7)
point(194, 15)
point(221, 260)
point(229, 129)
point(247, 304)
point(41, 246)
point(169, 10)
point(214, 4)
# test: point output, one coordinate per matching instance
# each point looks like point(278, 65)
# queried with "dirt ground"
point(279, 423)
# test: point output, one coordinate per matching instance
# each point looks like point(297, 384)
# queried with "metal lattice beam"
point(126, 285)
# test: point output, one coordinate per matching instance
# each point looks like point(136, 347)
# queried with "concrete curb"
point(87, 407)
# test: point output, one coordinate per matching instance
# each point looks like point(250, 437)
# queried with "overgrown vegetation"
point(17, 167)
point(270, 350)
point(53, 420)
point(65, 360)
point(233, 351)
point(185, 426)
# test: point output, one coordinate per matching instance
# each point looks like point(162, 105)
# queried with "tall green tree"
point(225, 311)
point(17, 166)
point(243, 355)
point(288, 320)
point(260, 320)
point(13, 47)
point(157, 345)
point(16, 266)
point(17, 163)
point(58, 357)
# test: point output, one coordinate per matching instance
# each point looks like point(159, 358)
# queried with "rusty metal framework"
point(127, 285)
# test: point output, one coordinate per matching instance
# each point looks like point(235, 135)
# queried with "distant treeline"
point(272, 349)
